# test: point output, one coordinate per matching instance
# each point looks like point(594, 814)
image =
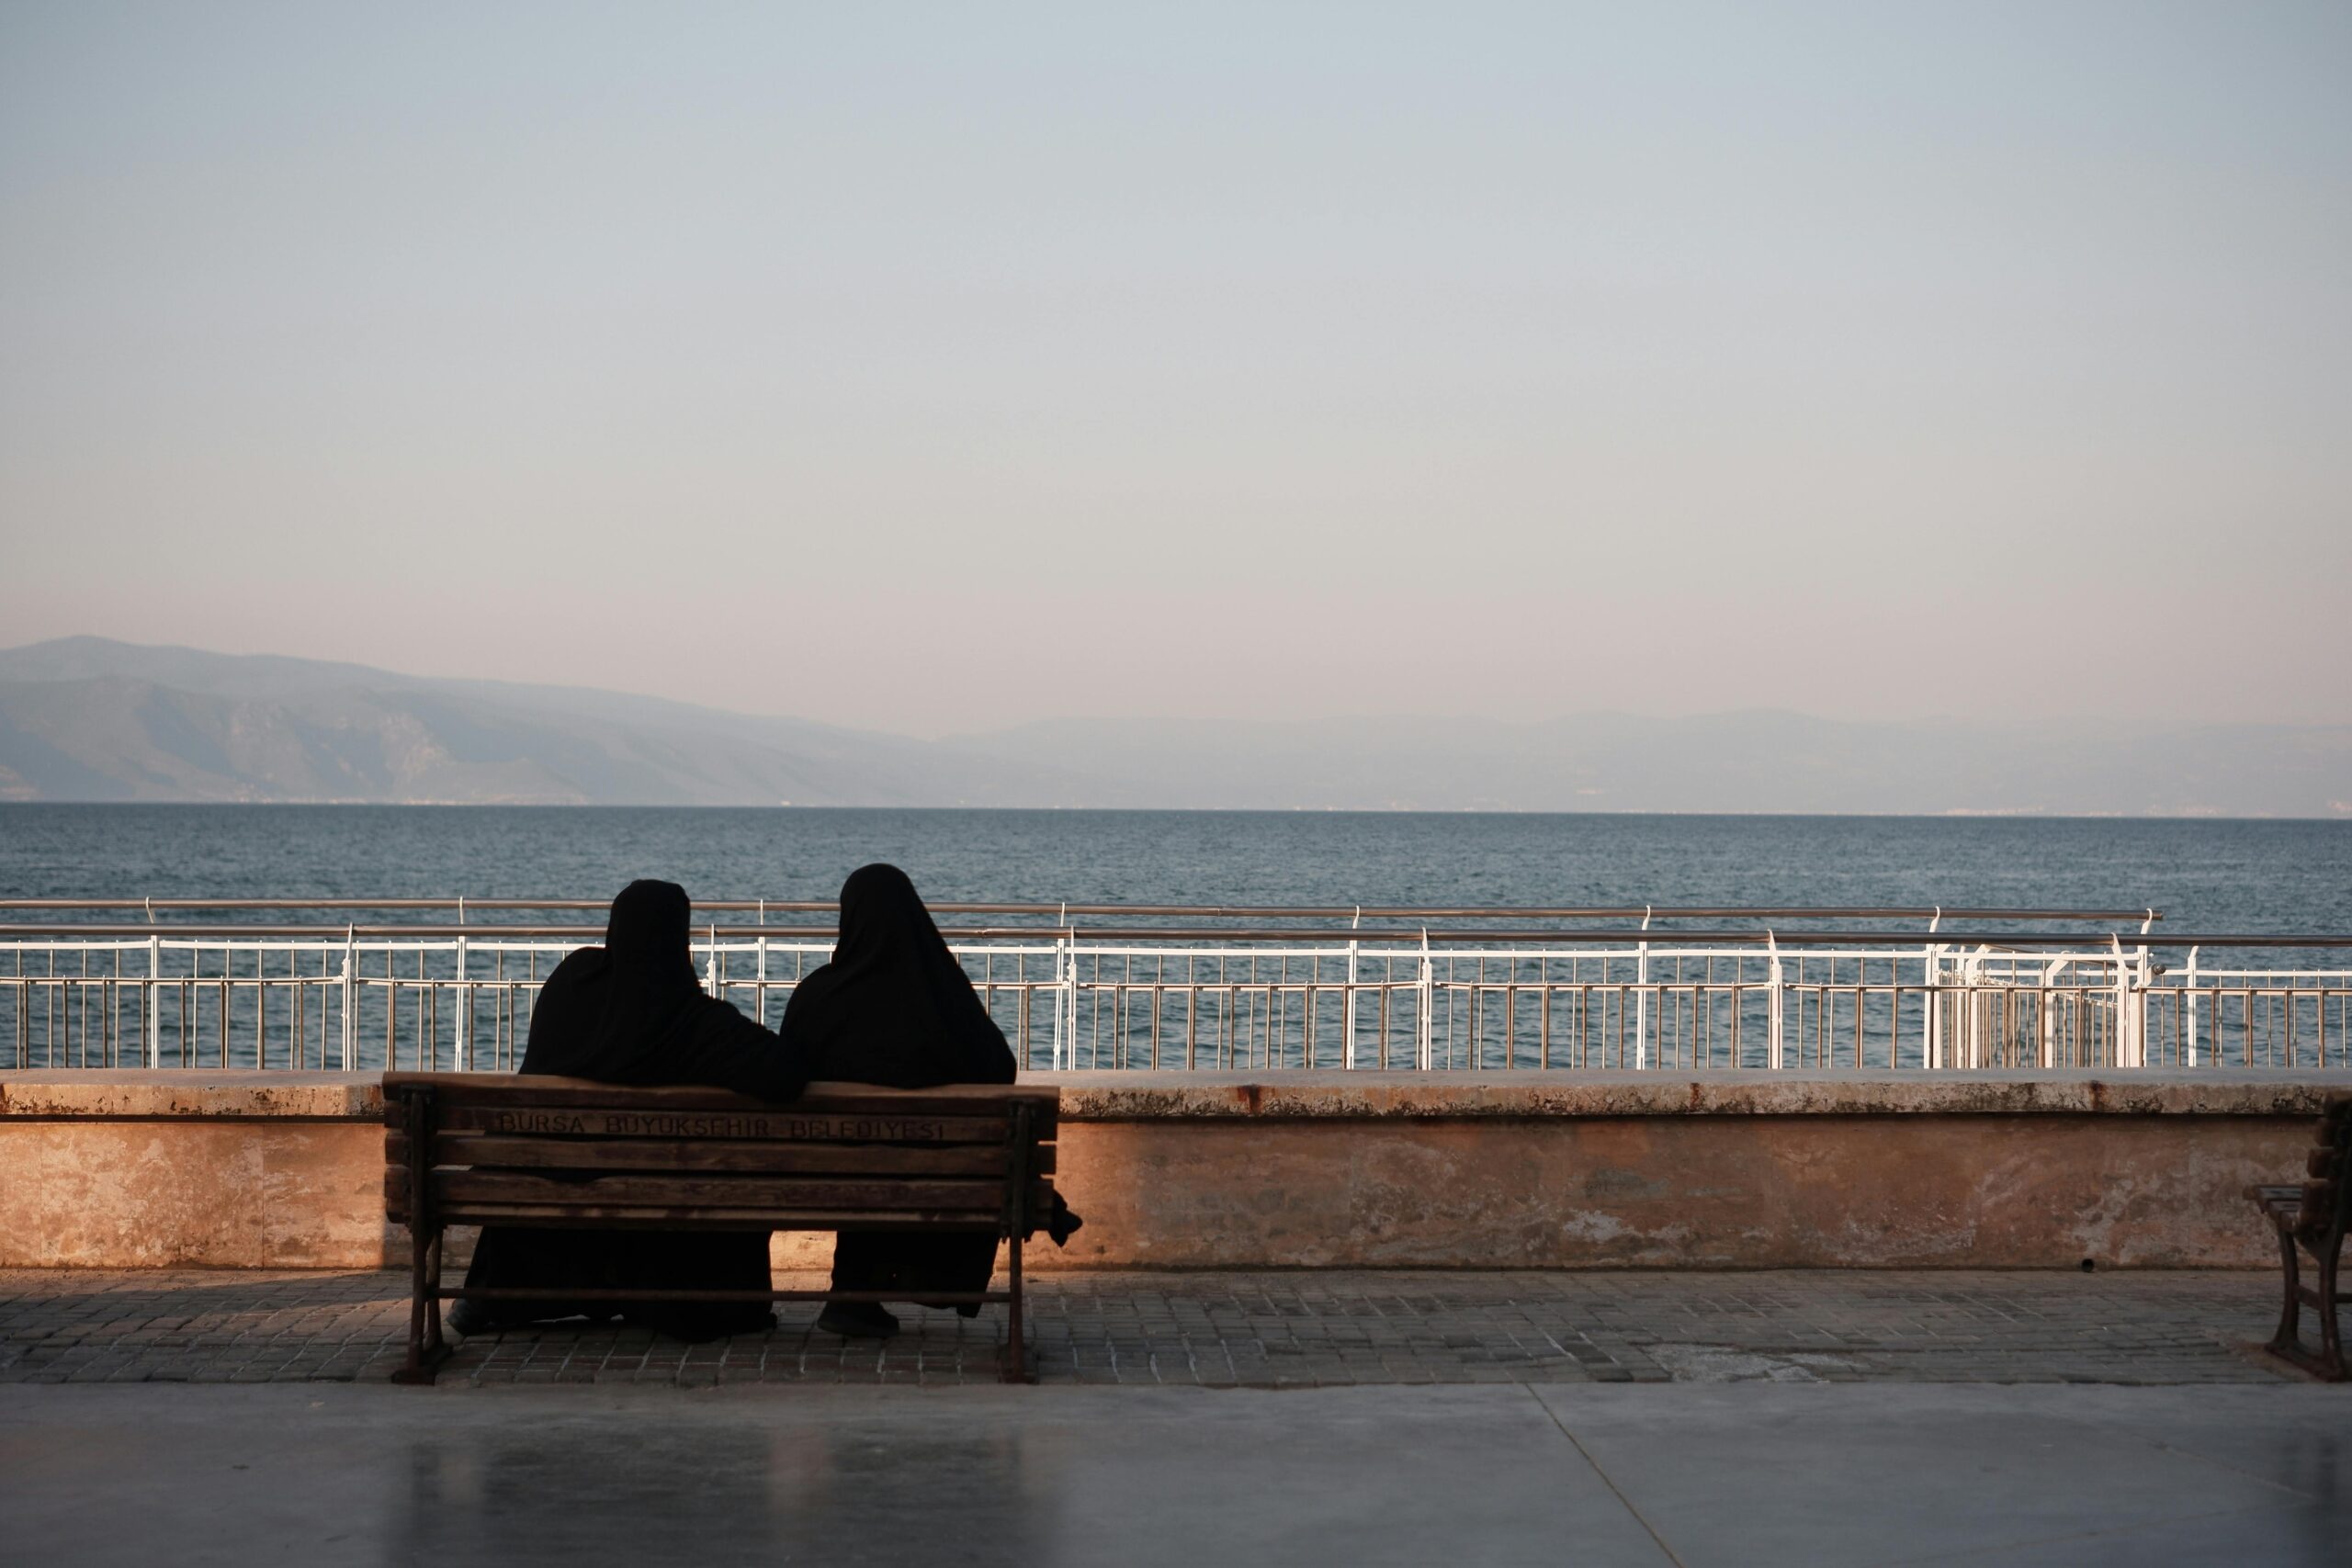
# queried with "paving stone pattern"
point(1214, 1329)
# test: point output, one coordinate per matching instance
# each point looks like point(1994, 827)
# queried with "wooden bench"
point(502, 1149)
point(2310, 1218)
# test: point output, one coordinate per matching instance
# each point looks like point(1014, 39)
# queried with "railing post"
point(2141, 981)
point(1348, 1059)
point(1772, 1001)
point(154, 997)
point(1984, 1050)
point(1428, 1004)
point(351, 997)
point(1065, 1008)
point(1960, 1042)
point(2046, 1024)
point(1931, 1022)
point(2127, 1009)
point(462, 1053)
point(1642, 996)
point(759, 974)
point(2189, 1002)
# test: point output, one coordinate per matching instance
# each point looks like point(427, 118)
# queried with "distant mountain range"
point(89, 719)
point(85, 719)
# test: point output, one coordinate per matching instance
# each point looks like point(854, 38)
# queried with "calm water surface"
point(2208, 876)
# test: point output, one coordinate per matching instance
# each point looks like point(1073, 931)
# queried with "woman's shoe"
point(469, 1316)
point(858, 1320)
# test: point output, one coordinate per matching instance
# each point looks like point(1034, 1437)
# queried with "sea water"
point(2204, 875)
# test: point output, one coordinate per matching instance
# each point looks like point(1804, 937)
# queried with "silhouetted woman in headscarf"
point(632, 1012)
point(894, 1007)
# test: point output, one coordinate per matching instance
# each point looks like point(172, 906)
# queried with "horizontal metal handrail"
point(1618, 936)
point(1205, 912)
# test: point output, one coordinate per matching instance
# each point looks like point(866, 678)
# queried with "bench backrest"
point(554, 1151)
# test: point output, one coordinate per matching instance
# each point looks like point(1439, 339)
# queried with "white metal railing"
point(1778, 992)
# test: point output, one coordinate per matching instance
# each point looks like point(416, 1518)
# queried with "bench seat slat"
point(787, 1123)
point(696, 1219)
point(838, 1098)
point(667, 1191)
point(490, 1150)
point(580, 1204)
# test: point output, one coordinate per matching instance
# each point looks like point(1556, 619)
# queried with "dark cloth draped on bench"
point(895, 1007)
point(632, 1012)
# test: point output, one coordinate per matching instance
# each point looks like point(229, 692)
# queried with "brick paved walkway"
point(1216, 1329)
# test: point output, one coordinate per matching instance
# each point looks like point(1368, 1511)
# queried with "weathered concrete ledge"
point(1726, 1170)
point(200, 1095)
point(209, 1095)
point(1134, 1095)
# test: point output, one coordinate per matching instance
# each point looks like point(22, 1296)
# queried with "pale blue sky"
point(937, 369)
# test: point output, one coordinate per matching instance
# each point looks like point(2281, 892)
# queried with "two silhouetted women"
point(892, 1008)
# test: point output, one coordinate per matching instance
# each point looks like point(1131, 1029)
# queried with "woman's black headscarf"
point(894, 1007)
point(632, 1011)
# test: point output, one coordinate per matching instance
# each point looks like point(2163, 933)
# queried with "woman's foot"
point(858, 1320)
point(469, 1316)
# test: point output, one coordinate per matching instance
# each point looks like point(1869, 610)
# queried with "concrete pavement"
point(1343, 1417)
point(1506, 1473)
point(1300, 1328)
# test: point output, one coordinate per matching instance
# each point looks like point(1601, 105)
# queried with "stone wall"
point(1716, 1171)
point(134, 1169)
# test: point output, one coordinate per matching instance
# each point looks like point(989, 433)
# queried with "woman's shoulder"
point(580, 964)
point(810, 986)
point(722, 1014)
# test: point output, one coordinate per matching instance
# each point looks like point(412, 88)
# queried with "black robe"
point(895, 1007)
point(630, 1012)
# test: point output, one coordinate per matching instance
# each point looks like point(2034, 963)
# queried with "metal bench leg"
point(1017, 1151)
point(1016, 1356)
point(436, 1346)
point(2330, 1363)
point(2289, 1340)
point(426, 1349)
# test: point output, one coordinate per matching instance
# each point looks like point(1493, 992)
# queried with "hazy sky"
point(933, 370)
